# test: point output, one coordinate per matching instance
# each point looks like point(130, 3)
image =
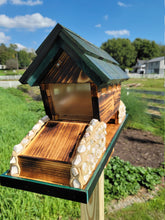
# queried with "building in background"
point(155, 65)
point(2, 67)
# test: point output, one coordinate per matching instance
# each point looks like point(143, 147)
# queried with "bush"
point(123, 179)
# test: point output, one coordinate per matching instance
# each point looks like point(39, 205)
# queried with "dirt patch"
point(142, 196)
point(140, 148)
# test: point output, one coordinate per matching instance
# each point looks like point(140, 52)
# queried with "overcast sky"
point(28, 22)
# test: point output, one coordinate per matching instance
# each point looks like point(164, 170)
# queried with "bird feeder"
point(66, 151)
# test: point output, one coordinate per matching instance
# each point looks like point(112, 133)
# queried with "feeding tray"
point(65, 152)
point(65, 191)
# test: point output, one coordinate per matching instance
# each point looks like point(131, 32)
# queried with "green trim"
point(95, 69)
point(43, 65)
point(88, 47)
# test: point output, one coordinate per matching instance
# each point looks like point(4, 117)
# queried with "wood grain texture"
point(42, 169)
point(94, 210)
point(47, 100)
point(105, 101)
point(56, 141)
point(65, 70)
point(117, 95)
point(109, 99)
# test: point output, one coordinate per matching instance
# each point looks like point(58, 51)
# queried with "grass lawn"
point(135, 106)
point(151, 210)
point(146, 84)
point(11, 72)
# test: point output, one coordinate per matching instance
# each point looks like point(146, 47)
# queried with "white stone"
point(45, 118)
point(91, 141)
point(90, 171)
point(24, 141)
point(84, 167)
point(41, 122)
point(88, 147)
point(81, 148)
point(93, 166)
point(89, 128)
point(86, 135)
point(77, 160)
point(90, 158)
point(36, 127)
point(74, 171)
point(86, 178)
point(93, 121)
point(96, 146)
point(82, 142)
point(98, 153)
point(104, 140)
point(96, 137)
point(13, 160)
point(31, 134)
point(104, 149)
point(120, 120)
point(18, 148)
point(76, 184)
point(103, 125)
point(14, 170)
point(93, 150)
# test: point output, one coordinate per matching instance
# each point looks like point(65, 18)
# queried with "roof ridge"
point(104, 54)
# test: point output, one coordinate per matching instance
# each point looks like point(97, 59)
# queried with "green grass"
point(151, 210)
point(138, 119)
point(146, 84)
point(11, 72)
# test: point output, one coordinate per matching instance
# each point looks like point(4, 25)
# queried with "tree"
point(121, 50)
point(23, 58)
point(146, 49)
point(162, 50)
point(11, 64)
point(3, 54)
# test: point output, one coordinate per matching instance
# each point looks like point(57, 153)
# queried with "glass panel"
point(73, 100)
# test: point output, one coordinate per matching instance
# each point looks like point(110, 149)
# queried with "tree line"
point(126, 52)
point(14, 58)
point(122, 50)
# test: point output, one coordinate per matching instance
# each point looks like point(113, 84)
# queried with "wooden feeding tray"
point(55, 189)
point(48, 157)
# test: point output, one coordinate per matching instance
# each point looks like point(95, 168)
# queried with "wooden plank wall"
point(105, 101)
point(65, 70)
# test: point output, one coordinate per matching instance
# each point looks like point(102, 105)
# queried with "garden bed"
point(140, 148)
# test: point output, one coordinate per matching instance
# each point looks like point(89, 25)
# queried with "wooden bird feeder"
point(65, 152)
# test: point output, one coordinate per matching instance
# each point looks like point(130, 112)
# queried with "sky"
point(28, 22)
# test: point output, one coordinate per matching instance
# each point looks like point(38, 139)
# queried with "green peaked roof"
point(95, 62)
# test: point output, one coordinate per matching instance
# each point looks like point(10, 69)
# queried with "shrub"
point(123, 179)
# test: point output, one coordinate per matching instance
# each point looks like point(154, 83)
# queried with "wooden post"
point(94, 210)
